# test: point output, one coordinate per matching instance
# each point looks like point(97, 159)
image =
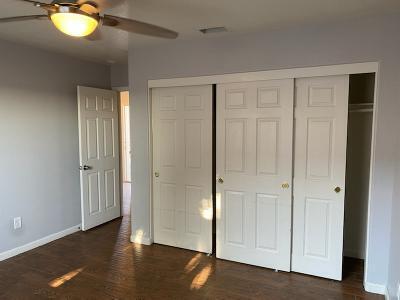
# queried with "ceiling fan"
point(81, 18)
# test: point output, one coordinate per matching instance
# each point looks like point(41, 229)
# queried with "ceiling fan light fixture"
point(80, 18)
point(74, 24)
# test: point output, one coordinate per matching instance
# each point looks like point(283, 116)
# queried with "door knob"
point(337, 190)
point(85, 168)
point(285, 185)
point(156, 174)
point(220, 180)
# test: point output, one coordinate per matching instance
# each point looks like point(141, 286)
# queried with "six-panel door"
point(99, 156)
point(319, 176)
point(254, 171)
point(182, 167)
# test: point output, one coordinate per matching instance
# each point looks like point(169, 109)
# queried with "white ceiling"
point(185, 17)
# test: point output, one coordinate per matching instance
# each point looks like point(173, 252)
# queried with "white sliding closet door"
point(319, 176)
point(254, 163)
point(182, 165)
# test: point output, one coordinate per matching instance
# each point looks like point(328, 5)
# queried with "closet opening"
point(358, 161)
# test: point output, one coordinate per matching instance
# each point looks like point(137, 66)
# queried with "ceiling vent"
point(213, 30)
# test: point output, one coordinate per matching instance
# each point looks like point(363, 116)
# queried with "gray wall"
point(374, 39)
point(119, 75)
point(39, 177)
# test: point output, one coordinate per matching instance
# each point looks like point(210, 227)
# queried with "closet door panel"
point(254, 165)
point(319, 177)
point(182, 167)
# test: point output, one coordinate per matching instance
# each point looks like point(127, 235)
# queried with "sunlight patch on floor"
point(193, 263)
point(201, 278)
point(63, 279)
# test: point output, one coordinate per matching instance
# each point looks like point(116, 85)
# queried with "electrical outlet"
point(17, 223)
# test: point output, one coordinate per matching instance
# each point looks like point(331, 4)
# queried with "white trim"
point(357, 68)
point(387, 294)
point(375, 288)
point(150, 143)
point(371, 171)
point(39, 242)
point(398, 291)
point(120, 88)
point(141, 240)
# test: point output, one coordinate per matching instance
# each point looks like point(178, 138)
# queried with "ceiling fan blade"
point(46, 6)
point(24, 18)
point(138, 27)
point(101, 4)
point(95, 36)
point(32, 1)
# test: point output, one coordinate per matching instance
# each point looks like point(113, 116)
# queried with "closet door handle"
point(285, 185)
point(337, 190)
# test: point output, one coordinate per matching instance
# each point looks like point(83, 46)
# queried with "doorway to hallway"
point(125, 153)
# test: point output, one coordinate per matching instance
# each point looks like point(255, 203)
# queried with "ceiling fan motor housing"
point(88, 7)
point(72, 6)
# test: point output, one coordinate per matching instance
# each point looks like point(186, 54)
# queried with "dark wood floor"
point(103, 264)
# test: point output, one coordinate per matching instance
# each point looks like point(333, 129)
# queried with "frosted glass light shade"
point(74, 24)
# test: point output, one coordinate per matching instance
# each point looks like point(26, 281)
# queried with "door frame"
point(122, 129)
point(315, 71)
point(121, 182)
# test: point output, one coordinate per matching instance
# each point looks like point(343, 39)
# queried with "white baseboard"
point(39, 242)
point(393, 294)
point(387, 294)
point(141, 240)
point(375, 288)
point(398, 291)
point(353, 253)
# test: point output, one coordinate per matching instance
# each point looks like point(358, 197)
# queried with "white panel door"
point(254, 167)
point(319, 175)
point(99, 156)
point(182, 165)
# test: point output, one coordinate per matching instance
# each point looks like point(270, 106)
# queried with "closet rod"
point(361, 104)
point(361, 110)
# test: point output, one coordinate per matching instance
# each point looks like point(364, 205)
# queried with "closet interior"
point(359, 137)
